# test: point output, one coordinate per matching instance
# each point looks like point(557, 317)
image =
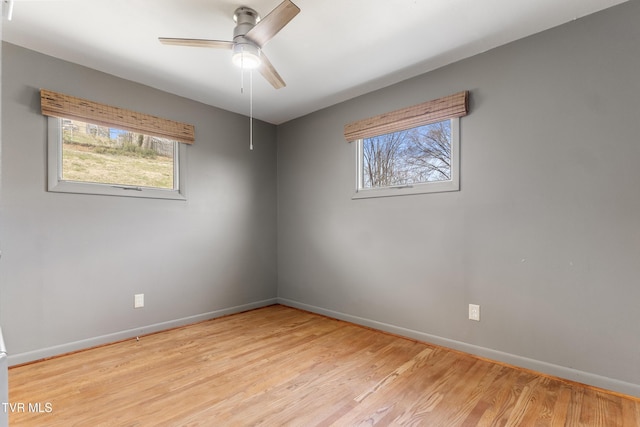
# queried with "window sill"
point(426, 188)
point(113, 190)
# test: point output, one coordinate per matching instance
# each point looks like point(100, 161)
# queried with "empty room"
point(320, 213)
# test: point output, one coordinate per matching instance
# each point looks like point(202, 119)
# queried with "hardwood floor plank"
point(477, 391)
point(630, 412)
point(561, 407)
point(526, 404)
point(286, 367)
point(395, 374)
point(499, 399)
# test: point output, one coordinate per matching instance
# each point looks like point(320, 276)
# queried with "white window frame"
point(55, 183)
point(452, 184)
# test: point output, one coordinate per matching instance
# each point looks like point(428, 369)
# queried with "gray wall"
point(72, 263)
point(544, 233)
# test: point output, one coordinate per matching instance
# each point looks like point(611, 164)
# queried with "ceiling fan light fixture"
point(249, 36)
point(246, 56)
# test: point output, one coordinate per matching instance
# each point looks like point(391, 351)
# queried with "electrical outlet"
point(474, 312)
point(138, 301)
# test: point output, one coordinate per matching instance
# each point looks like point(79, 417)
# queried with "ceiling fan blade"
point(269, 72)
point(220, 44)
point(272, 23)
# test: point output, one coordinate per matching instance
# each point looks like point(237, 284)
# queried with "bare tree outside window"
point(412, 156)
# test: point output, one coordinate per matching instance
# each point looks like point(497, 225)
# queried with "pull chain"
point(250, 98)
point(242, 75)
point(250, 109)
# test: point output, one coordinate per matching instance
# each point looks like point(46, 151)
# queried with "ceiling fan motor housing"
point(245, 18)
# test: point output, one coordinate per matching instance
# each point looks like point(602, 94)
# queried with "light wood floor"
point(280, 366)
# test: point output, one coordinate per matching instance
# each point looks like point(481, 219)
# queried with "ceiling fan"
point(249, 36)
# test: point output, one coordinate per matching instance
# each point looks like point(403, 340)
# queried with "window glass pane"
point(99, 154)
point(418, 155)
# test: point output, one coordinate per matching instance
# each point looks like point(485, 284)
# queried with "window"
point(93, 159)
point(409, 151)
point(423, 159)
point(99, 149)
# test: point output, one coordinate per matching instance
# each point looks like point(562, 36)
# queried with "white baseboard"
point(44, 353)
point(607, 383)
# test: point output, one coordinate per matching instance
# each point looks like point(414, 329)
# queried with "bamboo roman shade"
point(69, 107)
point(456, 105)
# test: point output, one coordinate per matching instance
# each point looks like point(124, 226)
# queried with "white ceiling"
point(332, 51)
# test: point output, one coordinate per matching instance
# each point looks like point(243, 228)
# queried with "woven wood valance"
point(69, 107)
point(456, 105)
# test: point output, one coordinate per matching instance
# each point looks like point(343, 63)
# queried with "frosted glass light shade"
point(246, 56)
